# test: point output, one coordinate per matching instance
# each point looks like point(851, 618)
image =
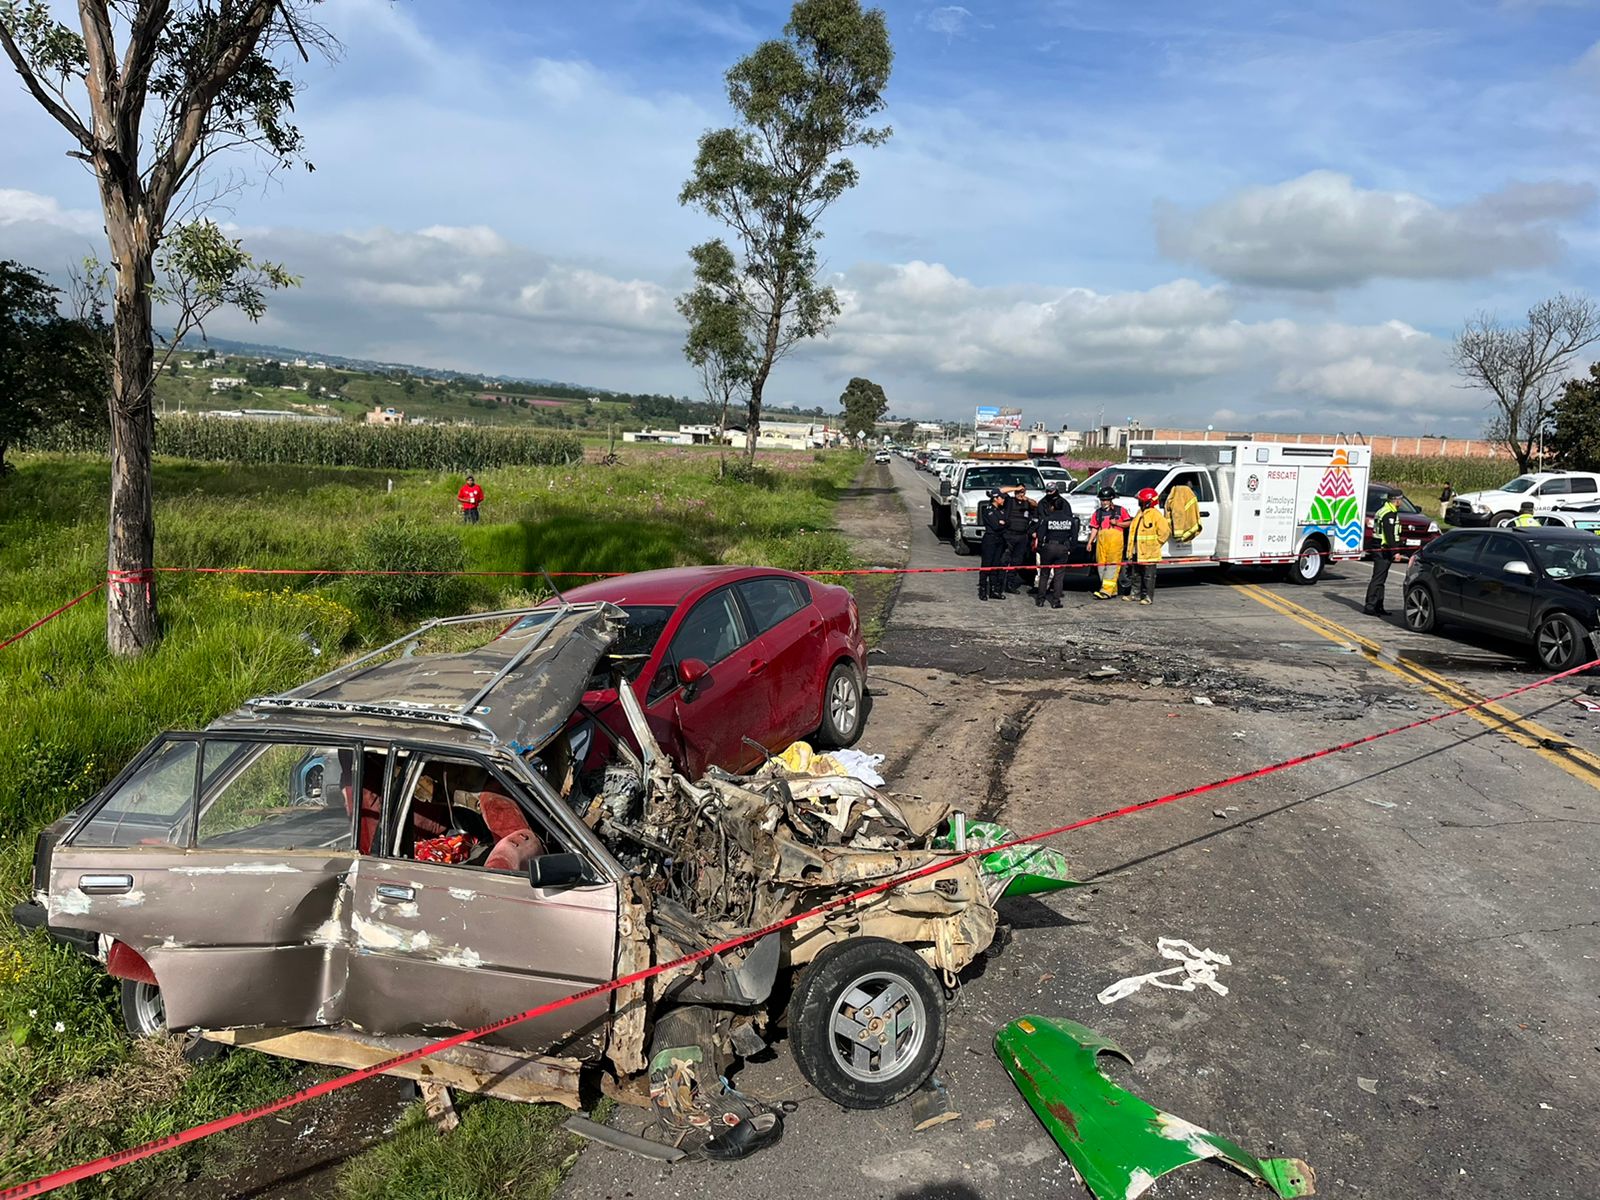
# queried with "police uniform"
point(1385, 525)
point(1058, 528)
point(991, 582)
point(1019, 541)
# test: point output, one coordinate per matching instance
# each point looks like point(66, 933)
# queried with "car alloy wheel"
point(144, 1014)
point(844, 702)
point(843, 709)
point(1419, 610)
point(867, 1022)
point(877, 1026)
point(145, 1010)
point(1558, 643)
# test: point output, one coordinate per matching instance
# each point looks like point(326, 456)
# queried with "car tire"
point(1559, 643)
point(1501, 519)
point(851, 979)
point(1421, 610)
point(960, 545)
point(1308, 565)
point(144, 1015)
point(844, 708)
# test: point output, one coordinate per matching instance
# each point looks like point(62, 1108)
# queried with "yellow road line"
point(1580, 764)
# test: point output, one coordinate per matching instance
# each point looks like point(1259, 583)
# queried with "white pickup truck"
point(955, 506)
point(1260, 502)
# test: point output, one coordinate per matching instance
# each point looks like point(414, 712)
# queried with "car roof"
point(670, 585)
point(1559, 533)
point(516, 690)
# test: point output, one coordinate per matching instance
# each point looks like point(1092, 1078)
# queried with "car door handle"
point(105, 885)
point(757, 666)
point(395, 893)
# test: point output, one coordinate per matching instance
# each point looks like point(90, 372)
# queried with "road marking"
point(1524, 731)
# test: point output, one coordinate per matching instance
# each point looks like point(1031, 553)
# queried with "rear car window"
point(276, 796)
point(771, 601)
point(1455, 548)
point(984, 478)
point(153, 807)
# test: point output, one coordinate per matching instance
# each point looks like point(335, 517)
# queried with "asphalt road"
point(1414, 925)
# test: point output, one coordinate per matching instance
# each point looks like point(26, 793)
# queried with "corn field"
point(329, 444)
point(1464, 474)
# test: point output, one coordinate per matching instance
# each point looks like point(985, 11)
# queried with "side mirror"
point(944, 487)
point(690, 672)
point(558, 870)
point(1517, 567)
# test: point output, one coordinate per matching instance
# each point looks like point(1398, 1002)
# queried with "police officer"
point(1525, 518)
point(991, 581)
point(1056, 535)
point(1019, 539)
point(1386, 528)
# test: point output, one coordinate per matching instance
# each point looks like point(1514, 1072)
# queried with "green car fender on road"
point(1118, 1143)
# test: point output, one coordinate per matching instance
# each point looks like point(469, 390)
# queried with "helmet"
point(1053, 486)
point(1148, 496)
point(1106, 493)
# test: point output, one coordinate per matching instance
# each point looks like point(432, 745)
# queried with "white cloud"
point(1321, 232)
point(470, 298)
point(951, 20)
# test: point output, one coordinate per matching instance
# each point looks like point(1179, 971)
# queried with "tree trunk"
point(130, 595)
point(758, 383)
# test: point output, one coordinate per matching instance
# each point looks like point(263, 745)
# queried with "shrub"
point(399, 544)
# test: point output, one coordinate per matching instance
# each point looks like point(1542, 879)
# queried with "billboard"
point(997, 420)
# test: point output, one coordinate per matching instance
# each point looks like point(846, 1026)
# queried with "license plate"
point(1413, 541)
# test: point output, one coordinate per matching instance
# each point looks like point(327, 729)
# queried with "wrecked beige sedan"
point(403, 848)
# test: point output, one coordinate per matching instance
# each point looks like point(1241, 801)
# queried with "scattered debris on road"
point(931, 1105)
point(1118, 1143)
point(1198, 968)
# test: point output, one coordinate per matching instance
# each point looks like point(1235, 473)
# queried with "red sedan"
point(1416, 528)
point(720, 654)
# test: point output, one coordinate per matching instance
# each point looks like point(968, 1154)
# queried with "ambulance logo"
point(1334, 510)
point(1252, 483)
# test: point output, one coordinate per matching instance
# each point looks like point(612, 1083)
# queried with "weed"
point(500, 1149)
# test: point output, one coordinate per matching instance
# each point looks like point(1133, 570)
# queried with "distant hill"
point(262, 350)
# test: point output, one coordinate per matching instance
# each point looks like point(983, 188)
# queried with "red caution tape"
point(50, 616)
point(146, 578)
point(100, 1166)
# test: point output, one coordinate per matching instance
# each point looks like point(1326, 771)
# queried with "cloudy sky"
point(1192, 212)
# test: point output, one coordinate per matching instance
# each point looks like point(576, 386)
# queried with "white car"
point(1547, 490)
point(1058, 475)
point(882, 456)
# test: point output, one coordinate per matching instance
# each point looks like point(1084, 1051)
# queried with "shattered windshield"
point(1565, 558)
point(1127, 481)
point(632, 647)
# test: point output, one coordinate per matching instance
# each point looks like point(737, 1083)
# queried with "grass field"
point(70, 1085)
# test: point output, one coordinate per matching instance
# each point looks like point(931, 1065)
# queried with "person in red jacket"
point(469, 497)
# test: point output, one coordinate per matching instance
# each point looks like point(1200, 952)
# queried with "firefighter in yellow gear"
point(1107, 528)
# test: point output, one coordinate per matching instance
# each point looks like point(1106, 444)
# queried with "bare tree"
point(149, 91)
point(1523, 367)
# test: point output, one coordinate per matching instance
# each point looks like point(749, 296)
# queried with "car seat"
point(514, 851)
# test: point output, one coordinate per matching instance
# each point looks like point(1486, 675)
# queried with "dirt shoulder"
point(872, 515)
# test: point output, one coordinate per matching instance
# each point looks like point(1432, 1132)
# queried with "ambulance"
point(1261, 502)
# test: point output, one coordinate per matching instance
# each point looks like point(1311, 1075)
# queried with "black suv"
point(1539, 586)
